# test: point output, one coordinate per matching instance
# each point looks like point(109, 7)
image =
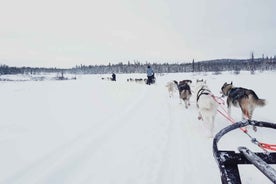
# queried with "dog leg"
point(228, 106)
point(245, 109)
point(186, 104)
point(250, 114)
point(199, 116)
point(209, 125)
point(244, 113)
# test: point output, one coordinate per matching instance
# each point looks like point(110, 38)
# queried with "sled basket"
point(228, 161)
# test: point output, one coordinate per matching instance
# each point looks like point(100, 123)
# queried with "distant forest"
point(216, 66)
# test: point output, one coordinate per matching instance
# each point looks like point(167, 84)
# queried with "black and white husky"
point(207, 105)
point(185, 92)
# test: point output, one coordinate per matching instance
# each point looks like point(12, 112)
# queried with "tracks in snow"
point(151, 140)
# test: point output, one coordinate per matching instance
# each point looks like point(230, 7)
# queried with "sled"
point(228, 161)
point(152, 81)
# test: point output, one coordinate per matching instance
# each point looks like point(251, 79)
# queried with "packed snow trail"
point(139, 143)
point(186, 138)
point(104, 132)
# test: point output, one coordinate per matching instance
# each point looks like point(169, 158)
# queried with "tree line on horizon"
point(217, 66)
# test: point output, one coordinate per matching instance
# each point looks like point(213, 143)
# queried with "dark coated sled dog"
point(244, 98)
point(185, 92)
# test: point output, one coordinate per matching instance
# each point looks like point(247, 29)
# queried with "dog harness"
point(184, 87)
point(202, 91)
point(238, 93)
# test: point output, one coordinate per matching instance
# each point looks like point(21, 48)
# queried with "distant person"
point(113, 78)
point(150, 75)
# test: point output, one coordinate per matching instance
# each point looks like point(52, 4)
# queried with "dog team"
point(207, 103)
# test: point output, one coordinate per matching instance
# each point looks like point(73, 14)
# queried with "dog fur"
point(244, 98)
point(185, 92)
point(187, 81)
point(207, 106)
point(172, 87)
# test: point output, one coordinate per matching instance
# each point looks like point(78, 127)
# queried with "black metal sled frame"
point(228, 161)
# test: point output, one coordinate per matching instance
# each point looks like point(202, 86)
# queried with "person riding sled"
point(150, 75)
point(113, 78)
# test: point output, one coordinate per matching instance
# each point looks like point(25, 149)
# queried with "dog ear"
point(231, 83)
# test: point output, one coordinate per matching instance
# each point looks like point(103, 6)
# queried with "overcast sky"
point(65, 33)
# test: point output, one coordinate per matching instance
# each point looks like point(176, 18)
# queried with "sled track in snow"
point(72, 154)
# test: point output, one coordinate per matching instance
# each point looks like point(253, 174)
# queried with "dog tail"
point(261, 102)
point(258, 101)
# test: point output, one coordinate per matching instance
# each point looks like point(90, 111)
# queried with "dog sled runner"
point(228, 161)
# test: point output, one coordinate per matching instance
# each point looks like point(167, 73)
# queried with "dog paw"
point(255, 128)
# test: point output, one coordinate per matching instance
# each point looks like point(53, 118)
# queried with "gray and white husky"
point(185, 92)
point(244, 98)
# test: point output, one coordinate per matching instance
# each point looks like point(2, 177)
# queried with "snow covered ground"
point(102, 132)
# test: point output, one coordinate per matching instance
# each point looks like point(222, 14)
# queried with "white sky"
point(65, 33)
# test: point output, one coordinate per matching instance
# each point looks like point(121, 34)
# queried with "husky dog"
point(185, 92)
point(206, 104)
point(246, 99)
point(172, 87)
